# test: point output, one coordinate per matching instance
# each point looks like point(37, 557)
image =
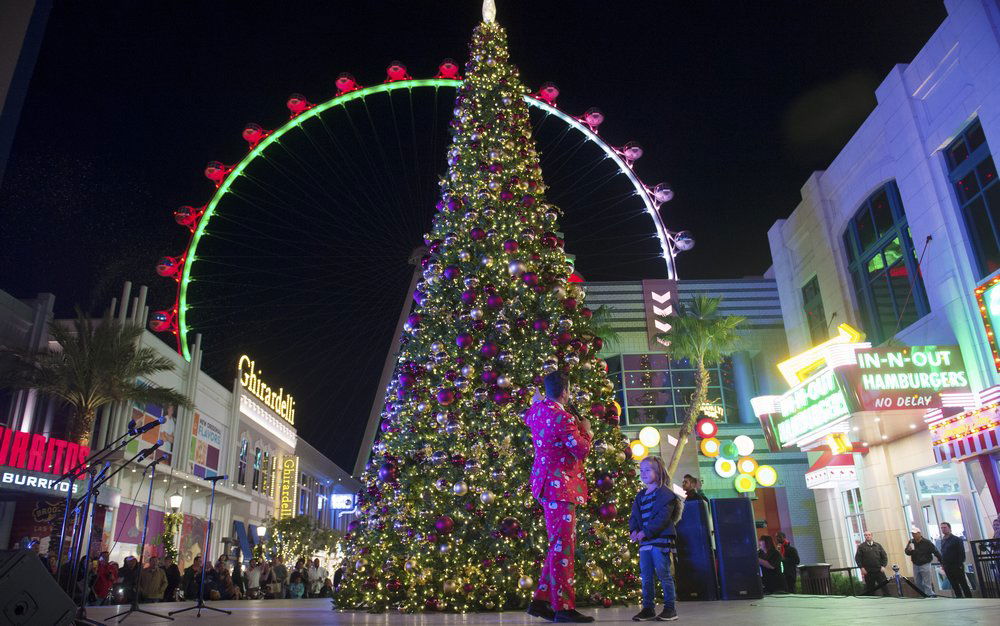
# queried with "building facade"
point(899, 238)
point(246, 434)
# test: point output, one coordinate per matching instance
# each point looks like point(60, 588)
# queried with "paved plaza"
point(778, 610)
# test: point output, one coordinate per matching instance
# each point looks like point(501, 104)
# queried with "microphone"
point(147, 427)
point(151, 449)
point(131, 427)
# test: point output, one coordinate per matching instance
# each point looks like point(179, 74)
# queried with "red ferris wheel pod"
point(396, 71)
point(706, 428)
point(631, 152)
point(548, 93)
point(162, 321)
point(216, 171)
point(448, 69)
point(593, 118)
point(253, 134)
point(188, 216)
point(170, 267)
point(297, 104)
point(345, 83)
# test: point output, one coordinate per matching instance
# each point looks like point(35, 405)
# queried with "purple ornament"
point(468, 296)
point(445, 396)
point(451, 272)
point(506, 195)
point(530, 278)
point(414, 320)
point(407, 380)
point(489, 349)
point(528, 201)
point(463, 340)
point(494, 301)
point(419, 297)
point(510, 246)
point(502, 397)
point(444, 524)
point(490, 377)
point(540, 325)
point(477, 234)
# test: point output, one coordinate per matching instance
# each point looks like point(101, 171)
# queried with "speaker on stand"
point(736, 549)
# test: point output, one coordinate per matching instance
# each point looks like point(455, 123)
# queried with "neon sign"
point(276, 400)
point(38, 453)
point(909, 377)
point(988, 298)
point(289, 481)
point(817, 403)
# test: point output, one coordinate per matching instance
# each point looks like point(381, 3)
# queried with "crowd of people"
point(161, 580)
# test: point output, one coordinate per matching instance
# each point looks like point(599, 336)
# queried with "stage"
point(790, 610)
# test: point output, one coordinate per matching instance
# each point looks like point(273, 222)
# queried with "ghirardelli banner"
point(660, 302)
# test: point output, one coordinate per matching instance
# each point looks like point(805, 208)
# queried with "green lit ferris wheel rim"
point(668, 250)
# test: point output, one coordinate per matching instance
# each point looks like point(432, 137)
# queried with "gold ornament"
point(526, 583)
point(450, 586)
point(410, 565)
point(487, 497)
point(460, 488)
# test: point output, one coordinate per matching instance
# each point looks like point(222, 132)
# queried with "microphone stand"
point(142, 553)
point(81, 610)
point(208, 531)
point(95, 457)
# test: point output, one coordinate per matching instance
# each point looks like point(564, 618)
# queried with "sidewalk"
point(791, 610)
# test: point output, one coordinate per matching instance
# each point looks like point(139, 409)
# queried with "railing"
point(986, 555)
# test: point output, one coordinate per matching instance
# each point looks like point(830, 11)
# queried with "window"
point(883, 266)
point(256, 469)
point(854, 519)
point(241, 474)
point(973, 176)
point(265, 479)
point(655, 389)
point(812, 305)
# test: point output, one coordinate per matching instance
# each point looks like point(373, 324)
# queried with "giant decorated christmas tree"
point(447, 517)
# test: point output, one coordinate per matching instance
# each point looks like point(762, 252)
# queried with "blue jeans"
point(655, 564)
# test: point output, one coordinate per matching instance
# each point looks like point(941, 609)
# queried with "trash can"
point(816, 579)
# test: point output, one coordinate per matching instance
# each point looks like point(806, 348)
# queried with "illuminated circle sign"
point(745, 483)
point(649, 436)
point(706, 428)
point(639, 451)
point(744, 445)
point(710, 447)
point(766, 475)
point(747, 465)
point(725, 468)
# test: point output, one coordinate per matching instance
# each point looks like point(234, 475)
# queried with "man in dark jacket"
point(192, 579)
point(921, 553)
point(953, 560)
point(871, 558)
point(789, 561)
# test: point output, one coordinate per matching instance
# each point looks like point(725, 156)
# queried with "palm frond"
point(698, 333)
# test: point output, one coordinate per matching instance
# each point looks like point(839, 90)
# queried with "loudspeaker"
point(736, 549)
point(695, 575)
point(29, 594)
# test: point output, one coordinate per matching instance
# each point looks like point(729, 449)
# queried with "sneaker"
point(645, 615)
point(572, 616)
point(666, 615)
point(537, 608)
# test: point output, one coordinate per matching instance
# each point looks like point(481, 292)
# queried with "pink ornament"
point(490, 377)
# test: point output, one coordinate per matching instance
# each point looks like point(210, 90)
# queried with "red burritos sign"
point(38, 453)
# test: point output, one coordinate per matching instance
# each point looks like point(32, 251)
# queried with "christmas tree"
point(447, 517)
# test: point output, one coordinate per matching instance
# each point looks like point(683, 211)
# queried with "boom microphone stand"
point(81, 609)
point(142, 553)
point(208, 532)
point(96, 457)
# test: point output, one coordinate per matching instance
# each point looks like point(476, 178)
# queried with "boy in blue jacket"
point(655, 510)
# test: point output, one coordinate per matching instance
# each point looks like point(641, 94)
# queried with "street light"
point(176, 500)
point(261, 531)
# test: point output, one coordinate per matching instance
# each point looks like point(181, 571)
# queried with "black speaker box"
point(695, 576)
point(736, 549)
point(29, 594)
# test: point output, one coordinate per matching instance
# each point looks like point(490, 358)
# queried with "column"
point(746, 388)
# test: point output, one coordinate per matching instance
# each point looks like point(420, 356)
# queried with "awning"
point(244, 541)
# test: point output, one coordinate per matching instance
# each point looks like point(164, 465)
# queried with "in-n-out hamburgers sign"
point(33, 462)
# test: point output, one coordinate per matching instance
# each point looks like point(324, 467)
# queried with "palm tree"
point(96, 364)
point(699, 334)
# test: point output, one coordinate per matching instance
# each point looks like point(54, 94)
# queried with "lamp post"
point(175, 501)
point(261, 531)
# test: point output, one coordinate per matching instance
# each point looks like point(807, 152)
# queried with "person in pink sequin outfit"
point(561, 441)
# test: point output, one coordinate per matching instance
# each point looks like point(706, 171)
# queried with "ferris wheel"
point(287, 150)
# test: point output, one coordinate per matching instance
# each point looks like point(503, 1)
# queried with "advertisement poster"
point(192, 539)
point(33, 520)
point(206, 446)
point(142, 414)
point(128, 527)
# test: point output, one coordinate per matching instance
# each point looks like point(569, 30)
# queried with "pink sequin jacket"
point(560, 449)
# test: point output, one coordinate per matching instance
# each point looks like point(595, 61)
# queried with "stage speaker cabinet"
point(29, 594)
point(736, 549)
point(695, 575)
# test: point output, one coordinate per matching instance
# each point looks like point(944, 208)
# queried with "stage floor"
point(786, 610)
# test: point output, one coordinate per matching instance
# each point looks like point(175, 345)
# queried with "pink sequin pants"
point(555, 584)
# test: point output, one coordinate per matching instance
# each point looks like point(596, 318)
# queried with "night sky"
point(734, 103)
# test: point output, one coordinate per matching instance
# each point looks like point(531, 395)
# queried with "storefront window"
point(241, 474)
point(654, 389)
point(982, 500)
point(937, 481)
point(854, 518)
point(256, 469)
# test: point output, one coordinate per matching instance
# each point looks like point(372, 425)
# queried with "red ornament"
point(605, 482)
point(597, 410)
point(607, 511)
point(606, 602)
point(444, 525)
point(510, 246)
point(569, 304)
point(530, 279)
point(587, 313)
